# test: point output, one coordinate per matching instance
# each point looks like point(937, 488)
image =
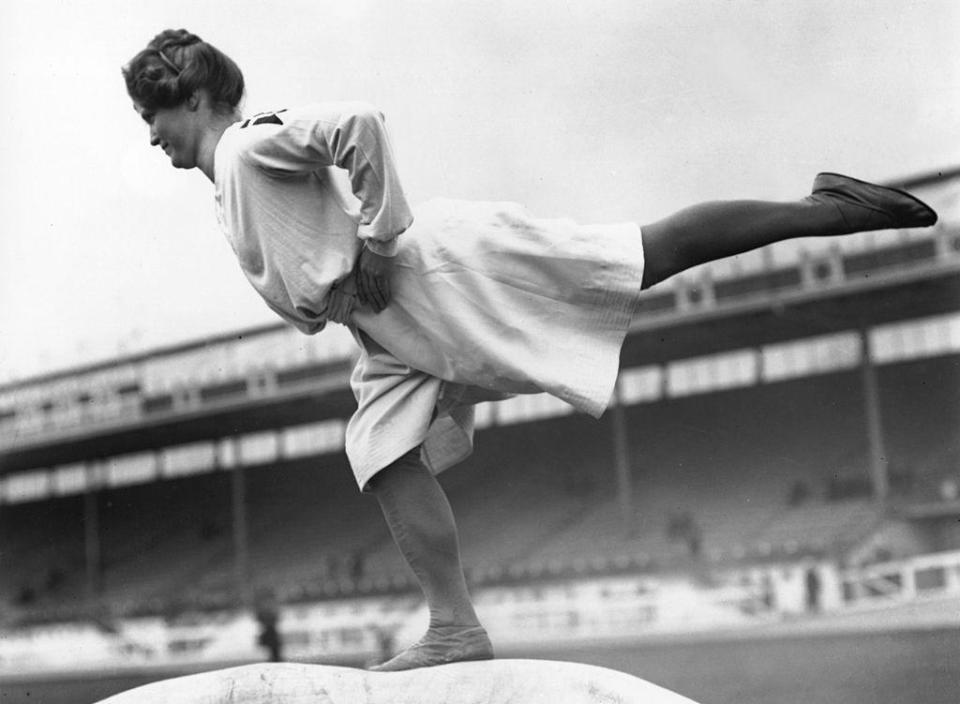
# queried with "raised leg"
point(839, 205)
point(422, 524)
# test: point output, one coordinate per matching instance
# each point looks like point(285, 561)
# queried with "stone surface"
point(489, 682)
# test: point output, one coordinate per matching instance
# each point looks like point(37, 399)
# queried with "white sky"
point(601, 111)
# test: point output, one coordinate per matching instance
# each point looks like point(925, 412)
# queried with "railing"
point(932, 576)
point(520, 616)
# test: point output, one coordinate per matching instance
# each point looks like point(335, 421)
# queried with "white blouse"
point(487, 299)
point(295, 222)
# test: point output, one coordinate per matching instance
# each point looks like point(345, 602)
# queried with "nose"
point(154, 139)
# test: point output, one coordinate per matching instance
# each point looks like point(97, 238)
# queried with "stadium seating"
point(745, 473)
point(42, 562)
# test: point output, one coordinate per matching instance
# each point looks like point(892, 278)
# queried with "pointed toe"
point(867, 206)
point(442, 646)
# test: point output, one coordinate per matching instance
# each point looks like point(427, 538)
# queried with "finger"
point(369, 290)
point(362, 290)
point(375, 293)
point(385, 293)
point(343, 309)
point(334, 313)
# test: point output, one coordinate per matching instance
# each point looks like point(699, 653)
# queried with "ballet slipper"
point(440, 646)
point(866, 206)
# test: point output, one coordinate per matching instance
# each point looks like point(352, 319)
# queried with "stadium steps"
point(503, 518)
point(820, 527)
point(163, 574)
point(302, 543)
point(42, 555)
point(493, 553)
point(600, 539)
point(494, 534)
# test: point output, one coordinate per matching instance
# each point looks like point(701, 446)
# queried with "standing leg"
point(839, 205)
point(422, 524)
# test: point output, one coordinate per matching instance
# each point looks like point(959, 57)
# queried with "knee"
point(662, 253)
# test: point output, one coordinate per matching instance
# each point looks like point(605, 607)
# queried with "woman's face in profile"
point(175, 131)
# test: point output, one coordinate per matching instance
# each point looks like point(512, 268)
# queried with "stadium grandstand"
point(783, 445)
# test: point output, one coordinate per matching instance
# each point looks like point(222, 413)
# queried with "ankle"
point(454, 623)
point(460, 613)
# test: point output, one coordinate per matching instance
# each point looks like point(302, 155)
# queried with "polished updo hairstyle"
point(176, 64)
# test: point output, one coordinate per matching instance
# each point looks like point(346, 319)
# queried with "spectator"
point(799, 494)
point(356, 566)
point(385, 637)
point(684, 528)
point(268, 617)
point(813, 589)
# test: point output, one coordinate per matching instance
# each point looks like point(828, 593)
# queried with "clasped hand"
point(373, 279)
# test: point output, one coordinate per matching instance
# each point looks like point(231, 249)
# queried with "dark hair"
point(176, 64)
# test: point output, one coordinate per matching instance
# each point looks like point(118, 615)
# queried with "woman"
point(469, 302)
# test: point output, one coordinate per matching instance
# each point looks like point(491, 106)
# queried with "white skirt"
point(488, 302)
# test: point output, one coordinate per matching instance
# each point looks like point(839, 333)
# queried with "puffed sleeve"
point(351, 136)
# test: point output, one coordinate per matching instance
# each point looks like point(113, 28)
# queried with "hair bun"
point(189, 39)
point(174, 38)
point(175, 64)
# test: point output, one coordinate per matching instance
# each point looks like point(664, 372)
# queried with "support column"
point(621, 462)
point(879, 477)
point(91, 536)
point(241, 550)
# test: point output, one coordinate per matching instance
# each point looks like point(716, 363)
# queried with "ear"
point(194, 101)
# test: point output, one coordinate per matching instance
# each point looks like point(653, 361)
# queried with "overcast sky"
point(600, 111)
